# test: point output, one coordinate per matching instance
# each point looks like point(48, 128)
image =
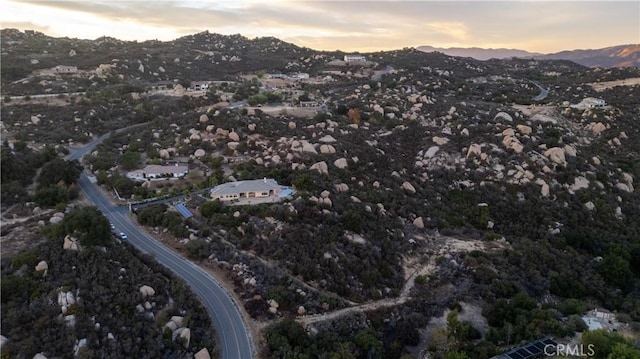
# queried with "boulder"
point(544, 190)
point(327, 149)
point(171, 325)
point(35, 120)
point(579, 183)
point(147, 291)
point(596, 128)
point(178, 320)
point(202, 354)
point(418, 222)
point(42, 266)
point(233, 136)
point(341, 187)
point(185, 336)
point(70, 243)
point(503, 116)
point(509, 132)
point(302, 310)
point(556, 155)
point(54, 220)
point(320, 167)
point(623, 187)
point(524, 129)
point(199, 153)
point(252, 127)
point(3, 341)
point(39, 356)
point(327, 139)
point(292, 125)
point(474, 150)
point(164, 153)
point(233, 145)
point(590, 206)
point(408, 187)
point(570, 151)
point(308, 147)
point(341, 163)
point(431, 151)
point(440, 140)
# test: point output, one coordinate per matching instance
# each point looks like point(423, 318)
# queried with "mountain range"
point(613, 56)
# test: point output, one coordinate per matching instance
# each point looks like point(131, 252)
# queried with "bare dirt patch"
point(601, 86)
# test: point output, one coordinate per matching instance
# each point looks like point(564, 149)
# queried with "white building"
point(354, 58)
point(246, 189)
point(152, 172)
point(590, 102)
point(300, 76)
point(199, 86)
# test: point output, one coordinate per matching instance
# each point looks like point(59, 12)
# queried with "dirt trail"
point(443, 245)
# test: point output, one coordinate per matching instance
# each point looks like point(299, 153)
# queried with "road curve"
point(234, 337)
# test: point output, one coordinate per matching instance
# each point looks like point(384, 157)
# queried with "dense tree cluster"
point(105, 279)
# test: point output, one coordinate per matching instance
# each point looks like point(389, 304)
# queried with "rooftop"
point(263, 185)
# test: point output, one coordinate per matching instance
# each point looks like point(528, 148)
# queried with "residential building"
point(590, 102)
point(354, 58)
point(199, 86)
point(246, 189)
point(277, 76)
point(300, 76)
point(61, 69)
point(152, 172)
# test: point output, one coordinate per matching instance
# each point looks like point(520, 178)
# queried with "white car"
point(123, 235)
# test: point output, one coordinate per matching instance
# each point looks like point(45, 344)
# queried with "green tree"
point(616, 269)
point(602, 342)
point(88, 225)
point(57, 171)
point(130, 160)
point(623, 351)
point(208, 209)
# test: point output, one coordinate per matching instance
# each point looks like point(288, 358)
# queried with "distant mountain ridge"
point(479, 53)
point(613, 56)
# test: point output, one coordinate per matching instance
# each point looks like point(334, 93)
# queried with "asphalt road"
point(233, 335)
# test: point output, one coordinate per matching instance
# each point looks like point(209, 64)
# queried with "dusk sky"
point(537, 26)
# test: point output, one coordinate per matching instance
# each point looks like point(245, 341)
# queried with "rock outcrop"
point(320, 167)
point(408, 187)
point(147, 291)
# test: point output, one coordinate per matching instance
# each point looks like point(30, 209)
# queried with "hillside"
point(479, 53)
point(614, 56)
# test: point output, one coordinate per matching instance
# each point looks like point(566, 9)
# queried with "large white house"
point(354, 58)
point(590, 102)
point(158, 172)
point(230, 191)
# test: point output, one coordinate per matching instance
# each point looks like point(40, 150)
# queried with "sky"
point(365, 26)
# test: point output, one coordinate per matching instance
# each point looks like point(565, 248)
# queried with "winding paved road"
point(234, 337)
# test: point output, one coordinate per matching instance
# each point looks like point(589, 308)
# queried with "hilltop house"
point(199, 86)
point(354, 58)
point(590, 102)
point(152, 172)
point(57, 70)
point(246, 189)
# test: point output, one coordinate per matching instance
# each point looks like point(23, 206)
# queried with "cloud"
point(456, 30)
point(345, 25)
